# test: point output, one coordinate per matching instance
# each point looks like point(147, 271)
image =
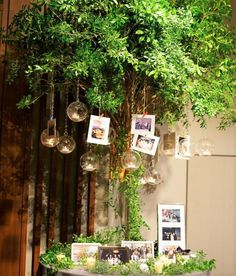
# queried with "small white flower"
point(144, 267)
point(60, 256)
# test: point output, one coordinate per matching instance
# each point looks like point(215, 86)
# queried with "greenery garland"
point(58, 256)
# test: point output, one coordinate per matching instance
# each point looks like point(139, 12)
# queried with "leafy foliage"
point(105, 236)
point(130, 188)
point(180, 51)
point(198, 263)
point(57, 257)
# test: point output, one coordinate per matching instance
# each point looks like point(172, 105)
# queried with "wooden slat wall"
point(56, 182)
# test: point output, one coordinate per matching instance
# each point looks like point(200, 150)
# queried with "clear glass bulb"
point(89, 161)
point(49, 141)
point(152, 176)
point(205, 147)
point(131, 160)
point(77, 111)
point(66, 145)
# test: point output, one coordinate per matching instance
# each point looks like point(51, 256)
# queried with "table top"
point(83, 272)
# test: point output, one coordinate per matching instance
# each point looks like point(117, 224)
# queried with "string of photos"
point(144, 146)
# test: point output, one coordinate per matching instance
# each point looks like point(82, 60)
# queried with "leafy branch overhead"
point(178, 52)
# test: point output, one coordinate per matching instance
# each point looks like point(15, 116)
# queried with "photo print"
point(171, 233)
point(81, 250)
point(143, 124)
point(114, 254)
point(139, 250)
point(171, 227)
point(171, 215)
point(182, 149)
point(145, 143)
point(98, 130)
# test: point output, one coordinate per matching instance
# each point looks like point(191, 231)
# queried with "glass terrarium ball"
point(66, 145)
point(49, 141)
point(89, 161)
point(77, 111)
point(152, 176)
point(131, 160)
point(205, 147)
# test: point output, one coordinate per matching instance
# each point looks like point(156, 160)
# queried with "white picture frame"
point(143, 124)
point(182, 147)
point(98, 130)
point(139, 250)
point(145, 143)
point(80, 250)
point(171, 227)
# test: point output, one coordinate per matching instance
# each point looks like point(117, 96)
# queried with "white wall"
point(207, 187)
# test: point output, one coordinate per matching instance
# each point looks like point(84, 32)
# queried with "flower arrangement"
point(58, 256)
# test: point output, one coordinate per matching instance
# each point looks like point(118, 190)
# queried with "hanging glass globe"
point(167, 144)
point(66, 145)
point(77, 111)
point(131, 160)
point(89, 161)
point(152, 176)
point(205, 147)
point(49, 141)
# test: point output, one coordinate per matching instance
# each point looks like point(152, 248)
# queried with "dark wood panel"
point(56, 180)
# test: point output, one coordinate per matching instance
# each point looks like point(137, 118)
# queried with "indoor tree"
point(130, 57)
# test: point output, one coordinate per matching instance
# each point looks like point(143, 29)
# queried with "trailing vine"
point(130, 187)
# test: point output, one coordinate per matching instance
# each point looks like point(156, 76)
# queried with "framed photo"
point(114, 254)
point(145, 143)
point(98, 130)
point(171, 227)
point(143, 124)
point(182, 148)
point(80, 250)
point(139, 250)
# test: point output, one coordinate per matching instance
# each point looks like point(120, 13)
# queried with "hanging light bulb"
point(168, 143)
point(66, 145)
point(77, 111)
point(131, 160)
point(50, 136)
point(89, 161)
point(49, 141)
point(153, 176)
point(205, 147)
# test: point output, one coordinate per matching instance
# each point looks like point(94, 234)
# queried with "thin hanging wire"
point(77, 90)
point(51, 101)
point(66, 120)
point(144, 99)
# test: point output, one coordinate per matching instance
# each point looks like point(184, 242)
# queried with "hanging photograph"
point(182, 149)
point(83, 250)
point(139, 250)
point(143, 124)
point(145, 143)
point(114, 254)
point(98, 130)
point(171, 227)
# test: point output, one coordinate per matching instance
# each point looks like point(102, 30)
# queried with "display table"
point(80, 272)
point(74, 272)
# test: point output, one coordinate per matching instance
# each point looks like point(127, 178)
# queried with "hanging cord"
point(66, 120)
point(144, 99)
point(77, 90)
point(51, 97)
point(132, 112)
